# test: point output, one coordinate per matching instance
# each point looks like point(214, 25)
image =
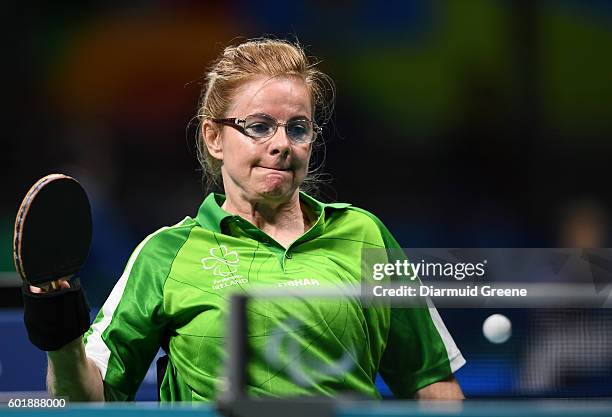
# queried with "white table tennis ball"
point(497, 328)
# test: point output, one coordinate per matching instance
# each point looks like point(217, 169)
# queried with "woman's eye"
point(298, 129)
point(258, 128)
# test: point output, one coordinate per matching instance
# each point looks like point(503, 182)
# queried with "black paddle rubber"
point(53, 230)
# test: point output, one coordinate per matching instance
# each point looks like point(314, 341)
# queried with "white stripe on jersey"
point(95, 347)
point(455, 358)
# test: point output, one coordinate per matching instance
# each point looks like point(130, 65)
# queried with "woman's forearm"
point(70, 373)
point(447, 389)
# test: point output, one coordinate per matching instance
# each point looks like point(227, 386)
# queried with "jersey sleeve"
point(130, 326)
point(419, 351)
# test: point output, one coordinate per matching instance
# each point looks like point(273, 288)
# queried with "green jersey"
point(174, 293)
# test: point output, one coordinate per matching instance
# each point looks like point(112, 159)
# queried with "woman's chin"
point(276, 191)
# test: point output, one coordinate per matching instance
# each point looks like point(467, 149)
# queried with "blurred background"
point(482, 123)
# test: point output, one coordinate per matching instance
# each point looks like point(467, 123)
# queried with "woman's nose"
point(279, 142)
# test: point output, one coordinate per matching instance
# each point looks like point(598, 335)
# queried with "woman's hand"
point(50, 286)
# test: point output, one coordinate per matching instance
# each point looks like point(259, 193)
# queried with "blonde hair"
point(243, 62)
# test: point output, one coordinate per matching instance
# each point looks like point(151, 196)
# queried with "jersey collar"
point(211, 215)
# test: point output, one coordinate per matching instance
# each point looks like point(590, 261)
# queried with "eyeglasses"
point(263, 126)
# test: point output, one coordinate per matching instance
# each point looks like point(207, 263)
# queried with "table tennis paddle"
point(53, 231)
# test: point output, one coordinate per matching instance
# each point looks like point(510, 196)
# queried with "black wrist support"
point(56, 318)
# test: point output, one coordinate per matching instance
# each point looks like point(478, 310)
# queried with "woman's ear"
point(212, 139)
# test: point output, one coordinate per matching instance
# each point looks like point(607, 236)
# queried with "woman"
point(257, 130)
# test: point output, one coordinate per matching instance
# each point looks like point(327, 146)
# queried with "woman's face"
point(272, 170)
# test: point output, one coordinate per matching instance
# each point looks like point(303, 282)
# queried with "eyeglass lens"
point(261, 126)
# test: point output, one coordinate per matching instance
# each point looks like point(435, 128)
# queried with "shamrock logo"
point(222, 262)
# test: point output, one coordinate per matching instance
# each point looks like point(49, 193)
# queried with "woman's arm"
point(447, 389)
point(70, 373)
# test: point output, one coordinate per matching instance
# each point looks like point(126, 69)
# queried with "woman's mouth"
point(273, 168)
